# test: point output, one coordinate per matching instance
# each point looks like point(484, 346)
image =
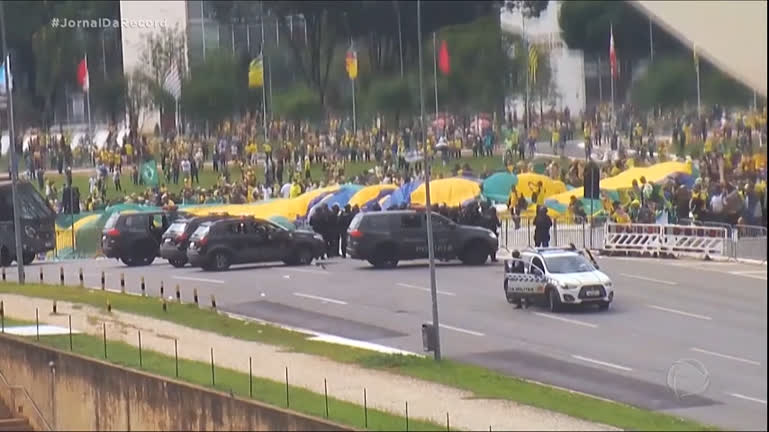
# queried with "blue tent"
point(402, 195)
point(340, 197)
point(497, 186)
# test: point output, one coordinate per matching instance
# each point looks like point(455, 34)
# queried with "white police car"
point(555, 277)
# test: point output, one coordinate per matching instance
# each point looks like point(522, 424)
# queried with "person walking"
point(542, 224)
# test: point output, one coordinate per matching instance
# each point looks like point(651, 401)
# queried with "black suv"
point(217, 245)
point(385, 237)
point(134, 238)
point(173, 244)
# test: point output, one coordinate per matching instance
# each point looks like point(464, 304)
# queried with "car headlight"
point(608, 284)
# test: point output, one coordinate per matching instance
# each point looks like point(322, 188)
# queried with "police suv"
point(557, 277)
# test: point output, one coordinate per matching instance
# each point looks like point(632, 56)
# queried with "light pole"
point(428, 212)
point(12, 145)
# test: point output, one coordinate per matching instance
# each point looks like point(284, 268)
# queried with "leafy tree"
point(215, 88)
point(163, 51)
point(390, 96)
point(586, 24)
point(137, 98)
point(299, 103)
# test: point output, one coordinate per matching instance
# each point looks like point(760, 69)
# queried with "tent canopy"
point(497, 186)
point(449, 191)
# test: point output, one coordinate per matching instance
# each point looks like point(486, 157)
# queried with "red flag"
point(82, 74)
point(612, 54)
point(443, 59)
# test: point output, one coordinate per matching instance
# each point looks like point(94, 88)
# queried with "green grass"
point(482, 382)
point(227, 380)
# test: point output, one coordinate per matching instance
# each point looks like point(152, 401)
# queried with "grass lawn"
point(481, 381)
point(227, 380)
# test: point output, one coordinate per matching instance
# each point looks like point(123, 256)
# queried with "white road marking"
point(461, 330)
point(602, 363)
point(323, 299)
point(298, 270)
point(680, 312)
point(643, 278)
point(726, 356)
point(760, 276)
point(747, 398)
point(417, 287)
point(194, 279)
point(570, 321)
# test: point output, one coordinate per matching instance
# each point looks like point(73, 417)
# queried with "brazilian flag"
point(149, 173)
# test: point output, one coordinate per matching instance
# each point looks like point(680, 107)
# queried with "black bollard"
point(162, 290)
point(213, 302)
point(143, 287)
point(80, 276)
point(178, 294)
point(109, 306)
point(4, 274)
point(102, 281)
point(61, 275)
point(54, 307)
point(122, 283)
point(41, 275)
point(195, 295)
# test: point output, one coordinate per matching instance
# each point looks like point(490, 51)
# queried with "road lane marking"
point(647, 279)
point(749, 274)
point(194, 279)
point(747, 398)
point(298, 270)
point(570, 321)
point(726, 356)
point(323, 299)
point(602, 363)
point(417, 287)
point(680, 312)
point(461, 330)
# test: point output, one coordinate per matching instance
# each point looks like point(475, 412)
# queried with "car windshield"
point(176, 228)
point(201, 231)
point(568, 264)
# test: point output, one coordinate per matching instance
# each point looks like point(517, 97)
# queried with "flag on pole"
point(6, 67)
point(533, 63)
point(256, 72)
point(172, 84)
point(444, 63)
point(612, 54)
point(351, 63)
point(82, 74)
point(696, 60)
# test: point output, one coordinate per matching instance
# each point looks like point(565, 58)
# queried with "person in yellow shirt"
point(295, 190)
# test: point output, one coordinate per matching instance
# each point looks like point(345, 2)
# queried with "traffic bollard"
point(61, 275)
point(143, 287)
point(41, 275)
point(109, 306)
point(80, 276)
point(122, 283)
point(4, 274)
point(162, 290)
point(178, 294)
point(54, 307)
point(195, 295)
point(213, 302)
point(102, 281)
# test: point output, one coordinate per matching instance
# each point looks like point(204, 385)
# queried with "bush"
point(299, 103)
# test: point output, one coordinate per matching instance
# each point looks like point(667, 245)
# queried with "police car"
point(557, 277)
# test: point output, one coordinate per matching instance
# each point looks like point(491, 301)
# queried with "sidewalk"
point(385, 391)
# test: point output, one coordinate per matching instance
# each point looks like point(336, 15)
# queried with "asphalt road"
point(666, 313)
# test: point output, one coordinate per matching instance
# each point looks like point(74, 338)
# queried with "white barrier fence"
point(677, 240)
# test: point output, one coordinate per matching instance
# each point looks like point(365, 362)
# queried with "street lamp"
point(428, 204)
point(12, 146)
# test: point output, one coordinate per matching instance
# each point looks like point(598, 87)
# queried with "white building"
point(567, 65)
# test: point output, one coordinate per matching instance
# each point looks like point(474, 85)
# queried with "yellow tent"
point(450, 191)
point(369, 193)
point(289, 208)
point(653, 174)
point(550, 187)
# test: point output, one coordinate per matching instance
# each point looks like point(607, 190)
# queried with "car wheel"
point(5, 257)
point(27, 258)
point(553, 300)
point(129, 261)
point(385, 257)
point(221, 261)
point(304, 257)
point(475, 254)
point(178, 263)
point(147, 260)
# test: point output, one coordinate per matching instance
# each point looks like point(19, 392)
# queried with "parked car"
point(134, 237)
point(173, 245)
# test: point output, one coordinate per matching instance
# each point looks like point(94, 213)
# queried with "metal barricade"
point(731, 240)
point(633, 238)
point(750, 242)
point(698, 241)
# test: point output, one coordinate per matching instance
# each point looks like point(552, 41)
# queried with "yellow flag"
point(256, 73)
point(533, 62)
point(351, 64)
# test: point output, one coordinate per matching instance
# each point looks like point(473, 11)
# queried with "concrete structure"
point(72, 392)
point(730, 34)
point(567, 65)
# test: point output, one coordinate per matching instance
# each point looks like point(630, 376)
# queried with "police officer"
point(333, 230)
point(518, 267)
point(344, 222)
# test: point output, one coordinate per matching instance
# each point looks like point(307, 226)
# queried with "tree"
point(137, 98)
point(299, 104)
point(52, 49)
point(215, 88)
point(163, 51)
point(585, 25)
point(390, 96)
